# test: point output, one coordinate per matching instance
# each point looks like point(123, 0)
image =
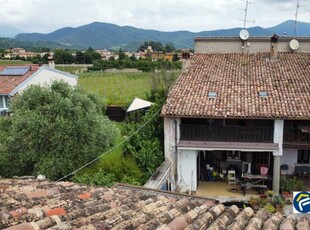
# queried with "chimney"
point(185, 61)
point(274, 47)
point(51, 62)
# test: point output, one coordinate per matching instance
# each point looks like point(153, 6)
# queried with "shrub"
point(291, 184)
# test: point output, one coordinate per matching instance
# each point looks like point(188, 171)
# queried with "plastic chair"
point(263, 170)
point(284, 168)
point(231, 177)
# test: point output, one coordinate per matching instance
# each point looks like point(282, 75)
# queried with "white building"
point(15, 79)
point(240, 101)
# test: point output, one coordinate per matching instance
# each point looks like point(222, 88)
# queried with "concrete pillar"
point(172, 135)
point(274, 51)
point(51, 62)
point(187, 170)
point(276, 174)
point(277, 138)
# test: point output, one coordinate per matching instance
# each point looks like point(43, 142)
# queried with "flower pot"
point(286, 194)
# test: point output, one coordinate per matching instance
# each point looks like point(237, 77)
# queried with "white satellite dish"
point(244, 34)
point(294, 44)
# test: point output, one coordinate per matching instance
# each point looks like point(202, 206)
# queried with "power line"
point(97, 158)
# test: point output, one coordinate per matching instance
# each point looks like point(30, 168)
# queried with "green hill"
point(106, 35)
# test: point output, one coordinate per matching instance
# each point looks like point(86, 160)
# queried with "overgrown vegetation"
point(110, 168)
point(143, 152)
point(53, 131)
point(147, 145)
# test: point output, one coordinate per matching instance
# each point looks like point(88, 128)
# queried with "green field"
point(117, 88)
point(70, 69)
point(14, 62)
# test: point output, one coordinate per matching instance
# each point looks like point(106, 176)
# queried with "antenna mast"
point(247, 3)
point(296, 15)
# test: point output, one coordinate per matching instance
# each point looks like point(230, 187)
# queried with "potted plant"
point(255, 203)
point(278, 201)
point(288, 185)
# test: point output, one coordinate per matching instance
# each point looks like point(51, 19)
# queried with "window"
point(233, 155)
point(7, 102)
point(263, 94)
point(212, 95)
point(1, 102)
point(303, 156)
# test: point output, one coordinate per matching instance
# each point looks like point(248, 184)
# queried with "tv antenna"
point(247, 3)
point(296, 16)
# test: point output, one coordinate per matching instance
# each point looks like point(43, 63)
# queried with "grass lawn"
point(117, 88)
point(14, 62)
point(69, 69)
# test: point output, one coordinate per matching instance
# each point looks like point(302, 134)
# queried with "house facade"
point(240, 102)
point(15, 79)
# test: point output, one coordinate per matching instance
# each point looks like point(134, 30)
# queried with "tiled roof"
point(237, 80)
point(33, 204)
point(8, 83)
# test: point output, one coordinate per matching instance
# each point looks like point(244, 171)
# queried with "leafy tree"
point(141, 64)
point(175, 57)
point(133, 58)
point(121, 54)
point(90, 49)
point(45, 58)
point(169, 48)
point(88, 57)
point(96, 56)
point(36, 59)
point(79, 57)
point(53, 131)
point(67, 57)
point(156, 46)
point(58, 56)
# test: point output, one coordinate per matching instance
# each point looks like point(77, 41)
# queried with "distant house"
point(105, 54)
point(240, 102)
point(16, 50)
point(19, 52)
point(15, 79)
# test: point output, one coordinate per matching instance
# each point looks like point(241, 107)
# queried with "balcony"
point(226, 133)
point(296, 136)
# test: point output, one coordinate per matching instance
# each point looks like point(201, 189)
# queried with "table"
point(253, 181)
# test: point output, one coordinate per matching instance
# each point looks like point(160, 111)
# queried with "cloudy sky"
point(166, 15)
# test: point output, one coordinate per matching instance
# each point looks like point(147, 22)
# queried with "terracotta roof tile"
point(237, 80)
point(8, 83)
point(124, 207)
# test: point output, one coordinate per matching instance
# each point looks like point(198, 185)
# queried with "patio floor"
point(223, 192)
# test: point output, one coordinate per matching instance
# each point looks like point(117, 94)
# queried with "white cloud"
point(166, 15)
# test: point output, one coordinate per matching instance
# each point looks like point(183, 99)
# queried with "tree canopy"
point(53, 130)
point(158, 46)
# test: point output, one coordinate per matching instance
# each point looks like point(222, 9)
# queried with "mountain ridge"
point(100, 35)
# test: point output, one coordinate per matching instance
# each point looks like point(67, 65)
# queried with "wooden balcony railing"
point(295, 136)
point(226, 133)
